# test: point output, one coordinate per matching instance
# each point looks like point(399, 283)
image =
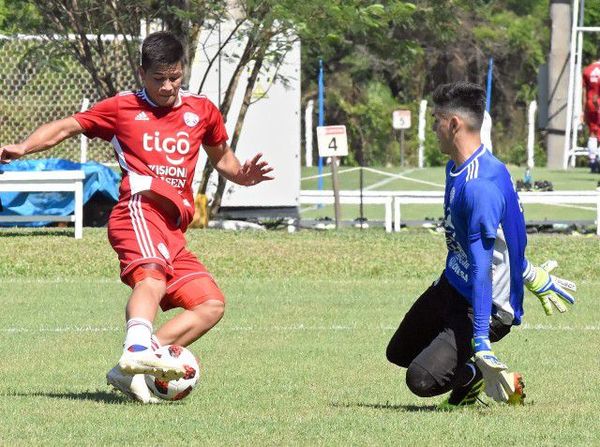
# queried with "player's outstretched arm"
point(44, 137)
point(550, 290)
point(252, 172)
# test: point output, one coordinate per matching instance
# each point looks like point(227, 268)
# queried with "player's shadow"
point(386, 406)
point(95, 396)
point(16, 233)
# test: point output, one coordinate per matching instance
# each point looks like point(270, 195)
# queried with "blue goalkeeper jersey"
point(486, 239)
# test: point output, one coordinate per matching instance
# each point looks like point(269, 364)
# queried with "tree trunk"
point(218, 53)
point(258, 62)
point(179, 25)
point(226, 104)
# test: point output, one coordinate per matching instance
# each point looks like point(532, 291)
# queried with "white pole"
point(577, 97)
point(598, 212)
point(573, 49)
point(578, 81)
point(531, 134)
point(421, 132)
point(486, 131)
point(85, 103)
point(308, 132)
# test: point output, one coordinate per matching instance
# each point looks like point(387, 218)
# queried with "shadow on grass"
point(5, 232)
point(386, 406)
point(96, 396)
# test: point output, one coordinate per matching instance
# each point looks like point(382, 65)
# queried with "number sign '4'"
point(332, 140)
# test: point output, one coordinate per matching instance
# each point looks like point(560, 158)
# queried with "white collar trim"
point(481, 150)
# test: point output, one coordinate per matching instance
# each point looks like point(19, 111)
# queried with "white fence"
point(317, 197)
point(394, 200)
point(46, 181)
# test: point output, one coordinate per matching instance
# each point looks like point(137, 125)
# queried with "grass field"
point(299, 357)
point(432, 179)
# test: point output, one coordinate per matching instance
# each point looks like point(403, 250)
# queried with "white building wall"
point(272, 124)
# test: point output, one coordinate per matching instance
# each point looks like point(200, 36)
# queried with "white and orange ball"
point(179, 388)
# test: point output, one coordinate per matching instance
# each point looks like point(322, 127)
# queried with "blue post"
point(321, 118)
point(488, 92)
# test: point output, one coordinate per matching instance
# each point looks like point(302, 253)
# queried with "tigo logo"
point(180, 144)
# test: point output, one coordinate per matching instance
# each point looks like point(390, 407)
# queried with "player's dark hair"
point(160, 49)
point(462, 98)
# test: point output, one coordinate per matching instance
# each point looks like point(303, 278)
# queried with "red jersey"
point(157, 142)
point(591, 82)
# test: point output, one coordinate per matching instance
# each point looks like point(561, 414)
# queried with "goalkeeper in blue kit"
point(445, 339)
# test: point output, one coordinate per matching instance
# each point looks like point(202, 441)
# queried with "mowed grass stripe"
point(299, 358)
point(299, 327)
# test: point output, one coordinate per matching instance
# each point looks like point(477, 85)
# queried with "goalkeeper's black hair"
point(161, 49)
point(462, 98)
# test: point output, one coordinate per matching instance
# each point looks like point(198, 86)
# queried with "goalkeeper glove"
point(499, 384)
point(549, 289)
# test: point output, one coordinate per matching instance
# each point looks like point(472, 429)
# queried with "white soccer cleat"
point(133, 386)
point(148, 362)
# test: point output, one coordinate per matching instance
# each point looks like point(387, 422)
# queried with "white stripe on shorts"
point(140, 229)
point(145, 231)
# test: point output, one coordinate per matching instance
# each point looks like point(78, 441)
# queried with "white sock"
point(155, 343)
point(139, 333)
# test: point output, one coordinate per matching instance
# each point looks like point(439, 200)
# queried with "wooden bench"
point(46, 181)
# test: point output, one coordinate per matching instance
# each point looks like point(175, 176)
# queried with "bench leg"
point(598, 212)
point(397, 216)
point(79, 210)
point(388, 215)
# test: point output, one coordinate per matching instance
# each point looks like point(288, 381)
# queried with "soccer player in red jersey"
point(156, 133)
point(591, 107)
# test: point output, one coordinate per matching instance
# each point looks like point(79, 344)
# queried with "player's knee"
point(201, 295)
point(150, 277)
point(420, 381)
point(212, 310)
point(216, 309)
point(154, 287)
point(395, 355)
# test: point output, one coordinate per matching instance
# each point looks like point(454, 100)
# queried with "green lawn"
point(432, 179)
point(299, 357)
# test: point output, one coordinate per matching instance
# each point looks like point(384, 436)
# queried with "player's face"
point(162, 83)
point(441, 127)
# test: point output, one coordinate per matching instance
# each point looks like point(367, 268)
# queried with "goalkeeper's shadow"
point(386, 406)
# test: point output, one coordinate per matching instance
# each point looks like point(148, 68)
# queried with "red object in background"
point(591, 84)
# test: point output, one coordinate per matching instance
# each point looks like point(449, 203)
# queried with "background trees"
point(377, 56)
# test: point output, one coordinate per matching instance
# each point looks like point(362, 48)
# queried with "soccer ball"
point(180, 388)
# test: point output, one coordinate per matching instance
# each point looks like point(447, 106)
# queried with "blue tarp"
point(99, 179)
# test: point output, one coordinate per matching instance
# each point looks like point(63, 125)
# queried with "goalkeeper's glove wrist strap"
point(481, 343)
point(529, 274)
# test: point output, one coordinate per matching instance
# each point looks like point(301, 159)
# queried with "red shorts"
point(591, 119)
point(140, 235)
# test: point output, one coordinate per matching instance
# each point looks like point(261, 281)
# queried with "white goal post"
point(574, 93)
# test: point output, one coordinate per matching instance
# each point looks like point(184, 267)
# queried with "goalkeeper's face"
point(162, 83)
point(442, 126)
